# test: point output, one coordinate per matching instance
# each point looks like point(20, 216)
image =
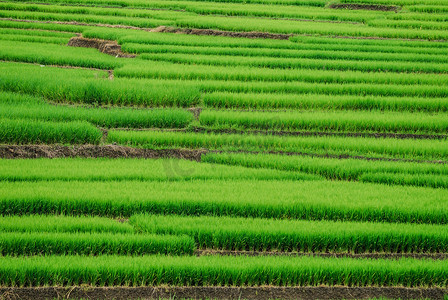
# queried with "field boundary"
point(94, 151)
point(263, 292)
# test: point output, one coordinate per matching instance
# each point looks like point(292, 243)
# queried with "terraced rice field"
point(224, 149)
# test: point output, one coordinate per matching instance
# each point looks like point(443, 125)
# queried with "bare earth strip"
point(261, 293)
point(435, 256)
point(94, 151)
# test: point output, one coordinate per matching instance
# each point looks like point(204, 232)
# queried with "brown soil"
point(196, 111)
point(107, 47)
point(252, 35)
point(260, 293)
point(436, 256)
point(357, 6)
point(94, 151)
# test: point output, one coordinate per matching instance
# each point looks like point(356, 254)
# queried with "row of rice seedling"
point(398, 2)
point(300, 51)
point(47, 243)
point(327, 62)
point(31, 39)
point(295, 235)
point(134, 169)
point(143, 22)
point(195, 76)
point(424, 8)
point(25, 131)
point(218, 271)
point(44, 53)
point(35, 25)
point(410, 24)
point(28, 107)
point(343, 121)
point(319, 101)
point(186, 19)
point(321, 54)
point(63, 224)
point(93, 87)
point(238, 9)
point(162, 69)
point(327, 145)
point(305, 27)
point(402, 173)
point(290, 199)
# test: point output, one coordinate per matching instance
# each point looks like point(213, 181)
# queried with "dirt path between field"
point(435, 256)
point(357, 6)
point(94, 151)
point(108, 47)
point(260, 293)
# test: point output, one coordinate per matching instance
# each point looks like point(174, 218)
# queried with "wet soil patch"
point(104, 46)
point(358, 6)
point(94, 151)
point(435, 256)
point(261, 293)
point(252, 35)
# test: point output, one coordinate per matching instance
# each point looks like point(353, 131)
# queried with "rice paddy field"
point(224, 149)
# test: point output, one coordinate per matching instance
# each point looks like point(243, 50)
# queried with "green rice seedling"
point(57, 55)
point(93, 87)
point(310, 59)
point(12, 106)
point(303, 236)
point(23, 131)
point(325, 56)
point(409, 24)
point(41, 26)
point(290, 199)
point(53, 243)
point(401, 173)
point(33, 39)
point(219, 271)
point(318, 101)
point(326, 145)
point(328, 121)
point(61, 224)
point(133, 169)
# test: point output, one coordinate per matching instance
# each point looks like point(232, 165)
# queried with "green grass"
point(324, 145)
point(24, 131)
point(311, 200)
point(62, 224)
point(401, 173)
point(45, 243)
point(92, 87)
point(124, 169)
point(27, 107)
point(328, 121)
point(219, 271)
point(326, 102)
point(302, 236)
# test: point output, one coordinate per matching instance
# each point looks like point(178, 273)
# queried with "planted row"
point(26, 107)
point(93, 87)
point(24, 131)
point(51, 243)
point(325, 145)
point(219, 271)
point(401, 173)
point(133, 169)
point(303, 236)
point(328, 121)
point(311, 200)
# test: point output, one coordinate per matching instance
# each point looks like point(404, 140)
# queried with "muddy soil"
point(104, 46)
point(357, 6)
point(94, 151)
point(435, 256)
point(252, 35)
point(260, 293)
